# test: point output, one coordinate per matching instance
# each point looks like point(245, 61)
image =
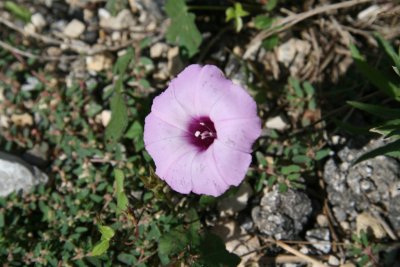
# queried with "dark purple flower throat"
point(202, 132)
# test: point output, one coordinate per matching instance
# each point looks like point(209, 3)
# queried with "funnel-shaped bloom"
point(200, 132)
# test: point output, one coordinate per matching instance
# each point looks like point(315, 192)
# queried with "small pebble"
point(333, 261)
point(345, 225)
point(322, 220)
point(74, 29)
point(38, 21)
point(105, 117)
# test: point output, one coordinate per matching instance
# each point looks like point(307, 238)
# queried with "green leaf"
point(283, 187)
point(270, 42)
point(271, 4)
point(296, 87)
point(101, 247)
point(106, 232)
point(272, 180)
point(364, 239)
point(363, 260)
point(182, 30)
point(127, 259)
point(114, 6)
point(119, 118)
point(19, 11)
point(262, 22)
point(121, 66)
point(293, 176)
point(171, 243)
point(260, 182)
point(1, 220)
point(322, 154)
point(377, 78)
point(122, 200)
point(213, 252)
point(236, 13)
point(194, 227)
point(308, 88)
point(261, 159)
point(391, 149)
point(290, 169)
point(206, 201)
point(389, 50)
point(389, 128)
point(134, 131)
point(376, 110)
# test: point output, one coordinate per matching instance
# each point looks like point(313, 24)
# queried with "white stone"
point(368, 13)
point(4, 121)
point(175, 64)
point(24, 119)
point(105, 117)
point(322, 220)
point(74, 29)
point(333, 261)
point(38, 21)
point(103, 13)
point(277, 123)
point(293, 53)
point(98, 62)
point(29, 28)
point(123, 20)
point(17, 175)
point(116, 36)
point(345, 225)
point(157, 50)
point(31, 84)
point(366, 221)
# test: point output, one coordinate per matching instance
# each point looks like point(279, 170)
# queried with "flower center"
point(202, 132)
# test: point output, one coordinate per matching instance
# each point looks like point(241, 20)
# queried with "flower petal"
point(178, 176)
point(164, 142)
point(205, 176)
point(184, 87)
point(212, 85)
point(235, 104)
point(239, 134)
point(231, 164)
point(166, 107)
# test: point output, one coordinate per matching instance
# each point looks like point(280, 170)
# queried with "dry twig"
point(288, 248)
point(82, 49)
point(290, 259)
point(28, 54)
point(292, 20)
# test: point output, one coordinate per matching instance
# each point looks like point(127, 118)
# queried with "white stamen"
point(205, 135)
point(197, 133)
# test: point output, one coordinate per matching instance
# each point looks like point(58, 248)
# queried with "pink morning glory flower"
point(200, 132)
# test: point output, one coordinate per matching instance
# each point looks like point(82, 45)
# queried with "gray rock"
point(16, 175)
point(352, 189)
point(282, 215)
point(394, 213)
point(153, 7)
point(317, 235)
